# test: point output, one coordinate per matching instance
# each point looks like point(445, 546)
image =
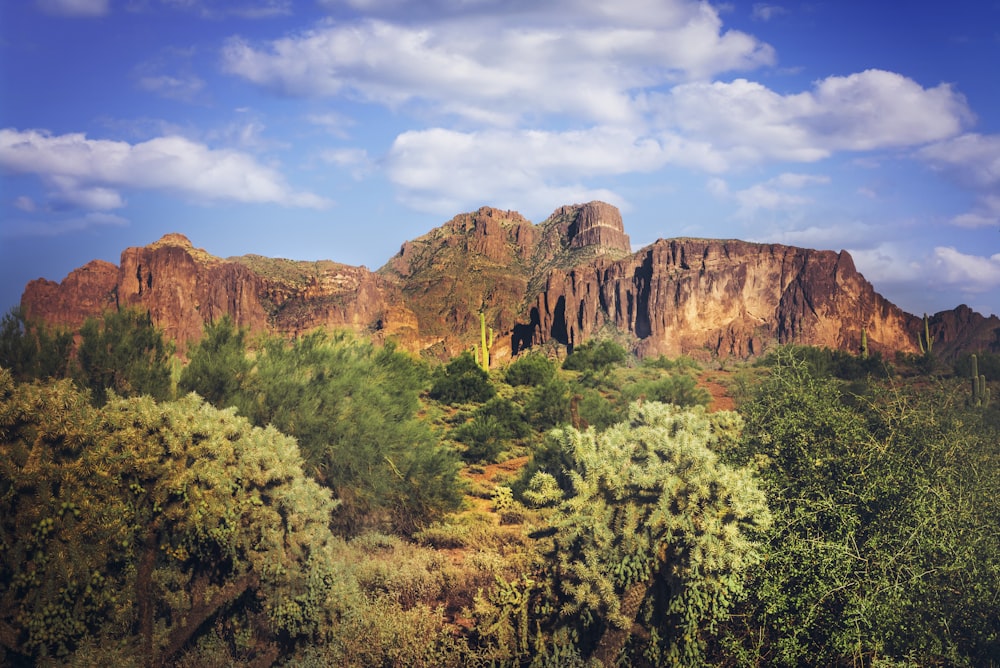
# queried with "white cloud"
point(869, 110)
point(445, 169)
point(75, 7)
point(536, 60)
point(90, 172)
point(971, 273)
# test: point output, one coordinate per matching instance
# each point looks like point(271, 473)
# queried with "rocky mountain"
point(564, 280)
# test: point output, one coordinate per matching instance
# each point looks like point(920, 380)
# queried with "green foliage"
point(835, 363)
point(493, 424)
point(880, 549)
point(681, 390)
point(125, 353)
point(353, 407)
point(597, 411)
point(532, 369)
point(462, 381)
point(30, 350)
point(595, 356)
point(652, 529)
point(548, 405)
point(219, 365)
point(135, 523)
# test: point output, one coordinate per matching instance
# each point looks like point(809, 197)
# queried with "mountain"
point(564, 280)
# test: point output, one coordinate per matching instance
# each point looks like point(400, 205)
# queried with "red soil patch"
point(721, 401)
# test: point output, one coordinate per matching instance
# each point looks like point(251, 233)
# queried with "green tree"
point(885, 543)
point(125, 353)
point(462, 381)
point(549, 405)
point(652, 530)
point(493, 424)
point(353, 408)
point(31, 350)
point(219, 364)
point(130, 528)
point(595, 356)
point(532, 368)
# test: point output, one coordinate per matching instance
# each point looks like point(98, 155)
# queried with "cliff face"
point(720, 297)
point(562, 280)
point(183, 287)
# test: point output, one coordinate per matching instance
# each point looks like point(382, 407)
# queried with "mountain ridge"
point(561, 281)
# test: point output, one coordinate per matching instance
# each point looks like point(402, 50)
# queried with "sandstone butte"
point(564, 280)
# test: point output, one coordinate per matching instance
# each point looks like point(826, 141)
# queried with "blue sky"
point(338, 129)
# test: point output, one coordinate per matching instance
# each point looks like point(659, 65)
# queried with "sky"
point(339, 129)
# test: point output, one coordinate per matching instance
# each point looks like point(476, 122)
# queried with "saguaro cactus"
point(482, 352)
point(864, 343)
point(980, 393)
point(926, 343)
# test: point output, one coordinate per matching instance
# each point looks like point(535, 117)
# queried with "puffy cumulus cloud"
point(971, 273)
point(495, 65)
point(868, 110)
point(442, 169)
point(89, 173)
point(921, 280)
point(75, 7)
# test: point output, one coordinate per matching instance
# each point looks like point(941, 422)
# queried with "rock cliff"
point(563, 280)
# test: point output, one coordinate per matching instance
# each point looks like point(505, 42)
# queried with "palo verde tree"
point(125, 353)
point(31, 350)
point(885, 544)
point(125, 529)
point(352, 406)
point(652, 530)
point(219, 364)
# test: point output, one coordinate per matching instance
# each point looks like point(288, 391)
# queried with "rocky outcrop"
point(600, 225)
point(562, 281)
point(89, 290)
point(183, 287)
point(704, 297)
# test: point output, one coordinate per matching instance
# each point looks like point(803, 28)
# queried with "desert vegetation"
point(327, 501)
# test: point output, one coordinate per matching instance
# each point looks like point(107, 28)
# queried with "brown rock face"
point(560, 281)
point(696, 296)
point(600, 224)
point(183, 287)
point(89, 290)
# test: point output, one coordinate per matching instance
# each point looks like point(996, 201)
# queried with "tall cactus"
point(928, 348)
point(482, 351)
point(864, 344)
point(980, 393)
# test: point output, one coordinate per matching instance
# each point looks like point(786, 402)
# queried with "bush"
point(530, 369)
point(462, 381)
point(595, 356)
